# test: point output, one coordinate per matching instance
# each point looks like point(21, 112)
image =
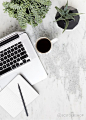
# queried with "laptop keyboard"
point(13, 57)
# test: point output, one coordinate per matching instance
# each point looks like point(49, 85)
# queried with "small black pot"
point(72, 23)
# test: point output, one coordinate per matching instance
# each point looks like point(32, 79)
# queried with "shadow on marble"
point(10, 29)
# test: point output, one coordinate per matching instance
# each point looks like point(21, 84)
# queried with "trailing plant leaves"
point(44, 2)
point(21, 19)
point(27, 11)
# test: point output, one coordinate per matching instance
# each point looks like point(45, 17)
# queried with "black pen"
point(22, 99)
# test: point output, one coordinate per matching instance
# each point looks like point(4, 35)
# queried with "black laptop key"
point(11, 63)
point(1, 68)
point(5, 53)
point(8, 64)
point(19, 46)
point(5, 50)
point(21, 63)
point(15, 48)
point(9, 51)
point(11, 58)
point(2, 59)
point(22, 53)
point(15, 52)
point(0, 64)
point(18, 59)
point(14, 61)
point(19, 50)
point(14, 57)
point(4, 62)
point(12, 49)
point(24, 56)
point(4, 66)
point(13, 66)
point(5, 57)
point(12, 54)
point(19, 43)
point(28, 60)
point(5, 70)
point(17, 64)
point(8, 60)
point(18, 55)
point(8, 55)
point(24, 61)
point(1, 55)
point(22, 49)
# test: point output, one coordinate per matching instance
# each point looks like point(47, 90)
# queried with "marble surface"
point(63, 93)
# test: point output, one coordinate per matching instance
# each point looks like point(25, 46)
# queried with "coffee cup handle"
point(54, 40)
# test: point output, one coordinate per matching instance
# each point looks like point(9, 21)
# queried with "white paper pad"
point(10, 98)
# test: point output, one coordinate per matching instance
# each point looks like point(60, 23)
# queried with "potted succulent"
point(27, 11)
point(67, 17)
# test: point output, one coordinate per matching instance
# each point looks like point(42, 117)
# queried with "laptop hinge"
point(9, 39)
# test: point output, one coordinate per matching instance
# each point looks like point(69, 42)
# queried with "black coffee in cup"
point(43, 45)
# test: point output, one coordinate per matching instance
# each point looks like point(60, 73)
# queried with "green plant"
point(27, 11)
point(66, 15)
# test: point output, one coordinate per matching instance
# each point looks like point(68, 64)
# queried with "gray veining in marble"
point(63, 93)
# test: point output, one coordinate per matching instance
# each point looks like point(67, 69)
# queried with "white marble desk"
point(63, 93)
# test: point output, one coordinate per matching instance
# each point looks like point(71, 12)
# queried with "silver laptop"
point(17, 56)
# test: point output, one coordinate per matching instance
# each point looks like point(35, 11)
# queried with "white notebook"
point(10, 98)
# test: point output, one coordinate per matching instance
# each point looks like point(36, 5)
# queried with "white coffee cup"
point(44, 44)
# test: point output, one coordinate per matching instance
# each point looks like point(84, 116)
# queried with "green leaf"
point(67, 11)
point(66, 25)
point(69, 17)
point(37, 17)
point(59, 19)
point(5, 4)
point(66, 7)
point(75, 14)
point(44, 2)
point(61, 12)
point(14, 6)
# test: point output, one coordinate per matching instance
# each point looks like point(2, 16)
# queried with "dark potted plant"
point(67, 17)
point(27, 11)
